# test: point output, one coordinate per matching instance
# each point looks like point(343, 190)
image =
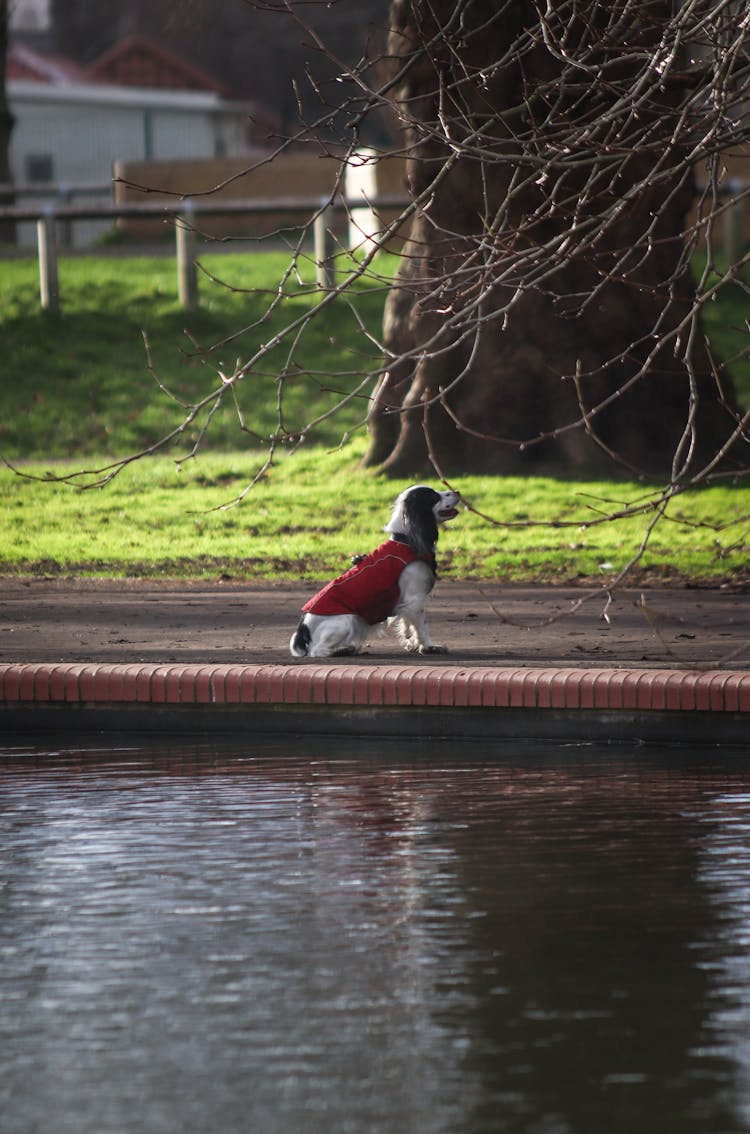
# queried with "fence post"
point(361, 188)
point(49, 289)
point(187, 277)
point(65, 227)
point(734, 221)
point(324, 273)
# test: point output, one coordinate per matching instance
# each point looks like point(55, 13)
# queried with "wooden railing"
point(53, 215)
point(184, 215)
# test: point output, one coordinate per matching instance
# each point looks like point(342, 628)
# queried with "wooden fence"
point(53, 218)
point(184, 215)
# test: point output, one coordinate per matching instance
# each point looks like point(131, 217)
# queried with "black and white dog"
point(391, 583)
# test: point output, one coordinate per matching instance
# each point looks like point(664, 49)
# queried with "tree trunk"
point(7, 228)
point(543, 319)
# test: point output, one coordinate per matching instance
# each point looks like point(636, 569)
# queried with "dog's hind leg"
point(334, 635)
point(299, 643)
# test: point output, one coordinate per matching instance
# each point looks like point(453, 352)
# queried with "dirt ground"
point(45, 620)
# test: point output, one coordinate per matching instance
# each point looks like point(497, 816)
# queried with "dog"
point(390, 584)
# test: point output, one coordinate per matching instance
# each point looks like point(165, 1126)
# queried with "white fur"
point(334, 634)
point(347, 633)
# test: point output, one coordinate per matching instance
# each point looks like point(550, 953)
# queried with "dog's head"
point(417, 513)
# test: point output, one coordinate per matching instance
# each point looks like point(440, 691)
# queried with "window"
point(39, 168)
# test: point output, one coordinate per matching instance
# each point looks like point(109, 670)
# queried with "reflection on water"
point(213, 939)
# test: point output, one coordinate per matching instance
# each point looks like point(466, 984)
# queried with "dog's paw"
point(433, 649)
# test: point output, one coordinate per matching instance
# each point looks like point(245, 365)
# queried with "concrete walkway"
point(660, 664)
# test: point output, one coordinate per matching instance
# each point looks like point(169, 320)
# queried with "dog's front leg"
point(411, 627)
point(421, 636)
point(415, 584)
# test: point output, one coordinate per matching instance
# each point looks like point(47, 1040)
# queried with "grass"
point(77, 390)
point(304, 520)
point(79, 385)
point(726, 327)
point(83, 384)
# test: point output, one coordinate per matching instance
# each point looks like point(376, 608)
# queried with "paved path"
point(482, 624)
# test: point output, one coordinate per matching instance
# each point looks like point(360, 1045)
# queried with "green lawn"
point(311, 511)
point(77, 390)
point(80, 384)
point(83, 383)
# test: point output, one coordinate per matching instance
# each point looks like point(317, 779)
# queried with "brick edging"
point(97, 684)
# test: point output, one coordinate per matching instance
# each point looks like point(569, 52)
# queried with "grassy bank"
point(81, 385)
point(80, 389)
point(304, 521)
point(84, 382)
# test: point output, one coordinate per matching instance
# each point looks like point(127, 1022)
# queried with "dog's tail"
point(299, 645)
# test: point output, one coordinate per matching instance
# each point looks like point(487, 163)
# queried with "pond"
point(373, 937)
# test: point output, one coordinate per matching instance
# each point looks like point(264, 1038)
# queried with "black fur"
point(422, 526)
point(302, 639)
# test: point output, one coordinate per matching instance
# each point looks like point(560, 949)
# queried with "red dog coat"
point(369, 589)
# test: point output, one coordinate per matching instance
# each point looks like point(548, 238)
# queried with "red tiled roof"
point(131, 62)
point(25, 63)
point(140, 62)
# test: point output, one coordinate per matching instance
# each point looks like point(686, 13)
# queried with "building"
point(138, 102)
point(29, 17)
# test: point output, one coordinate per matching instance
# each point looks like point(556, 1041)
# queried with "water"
point(214, 939)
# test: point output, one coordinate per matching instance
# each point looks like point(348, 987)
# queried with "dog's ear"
point(421, 524)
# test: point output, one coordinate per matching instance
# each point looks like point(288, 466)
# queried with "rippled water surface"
point(388, 937)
